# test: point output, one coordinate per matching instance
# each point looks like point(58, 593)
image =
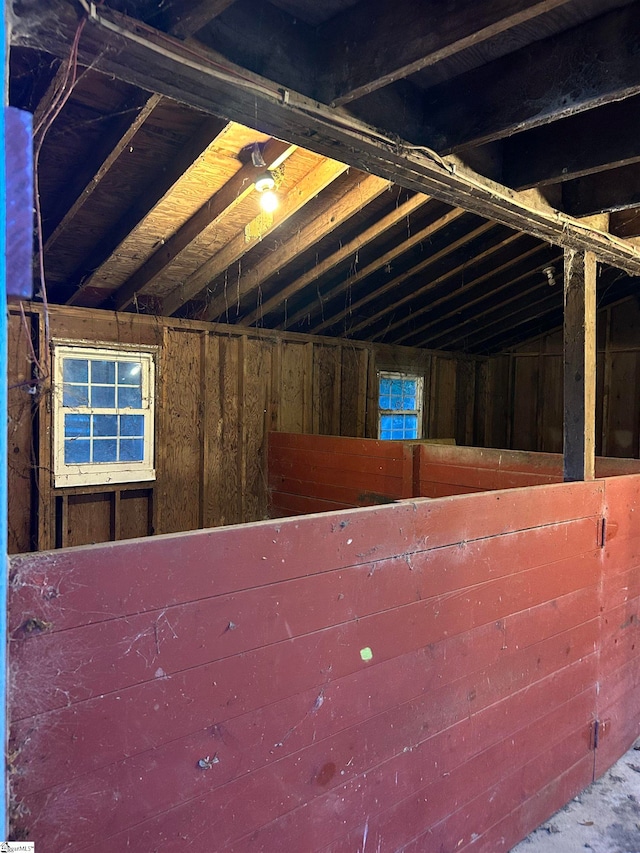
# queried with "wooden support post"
point(579, 364)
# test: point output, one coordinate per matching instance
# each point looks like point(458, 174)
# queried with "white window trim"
point(102, 473)
point(389, 374)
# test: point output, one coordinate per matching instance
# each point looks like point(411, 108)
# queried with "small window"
point(399, 406)
point(103, 416)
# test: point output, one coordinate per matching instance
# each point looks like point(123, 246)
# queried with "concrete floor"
point(603, 819)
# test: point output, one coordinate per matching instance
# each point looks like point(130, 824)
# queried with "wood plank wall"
point(309, 683)
point(524, 389)
point(219, 389)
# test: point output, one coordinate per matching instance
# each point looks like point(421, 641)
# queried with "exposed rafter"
point(348, 250)
point(323, 174)
point(196, 78)
point(220, 204)
point(309, 233)
point(89, 288)
point(616, 189)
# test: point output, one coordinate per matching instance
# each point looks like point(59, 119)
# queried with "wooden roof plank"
point(190, 152)
point(616, 189)
point(188, 17)
point(310, 233)
point(365, 237)
point(318, 179)
point(216, 207)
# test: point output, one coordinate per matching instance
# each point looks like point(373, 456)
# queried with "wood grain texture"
point(246, 679)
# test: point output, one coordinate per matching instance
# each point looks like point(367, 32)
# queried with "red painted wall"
point(212, 690)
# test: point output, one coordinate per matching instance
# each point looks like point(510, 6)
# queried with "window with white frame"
point(399, 406)
point(103, 415)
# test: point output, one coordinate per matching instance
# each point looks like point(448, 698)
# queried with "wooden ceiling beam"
point(402, 211)
point(573, 147)
point(114, 143)
point(220, 204)
point(374, 295)
point(315, 228)
point(404, 37)
point(88, 279)
point(90, 174)
point(187, 17)
point(379, 263)
point(579, 69)
point(318, 179)
point(112, 44)
point(625, 223)
point(455, 292)
point(617, 189)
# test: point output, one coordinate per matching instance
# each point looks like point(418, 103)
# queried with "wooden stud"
point(579, 365)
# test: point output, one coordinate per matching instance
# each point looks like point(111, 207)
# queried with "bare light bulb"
point(268, 201)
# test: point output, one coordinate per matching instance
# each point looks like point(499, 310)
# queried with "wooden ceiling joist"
point(112, 43)
point(474, 292)
point(616, 189)
point(382, 261)
point(404, 37)
point(88, 280)
point(187, 17)
point(318, 179)
point(584, 67)
point(580, 145)
point(456, 290)
point(310, 233)
point(390, 286)
point(402, 211)
point(90, 175)
point(220, 204)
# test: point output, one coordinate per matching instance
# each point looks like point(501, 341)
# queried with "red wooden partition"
point(320, 473)
point(413, 677)
point(445, 470)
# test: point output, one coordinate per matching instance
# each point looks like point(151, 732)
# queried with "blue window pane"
point(396, 403)
point(131, 450)
point(75, 370)
point(105, 450)
point(385, 434)
point(103, 372)
point(397, 434)
point(129, 373)
point(397, 422)
point(74, 396)
point(76, 426)
point(132, 425)
point(386, 422)
point(385, 402)
point(411, 426)
point(76, 450)
point(103, 397)
point(409, 403)
point(105, 425)
point(129, 398)
point(410, 387)
point(396, 386)
point(385, 386)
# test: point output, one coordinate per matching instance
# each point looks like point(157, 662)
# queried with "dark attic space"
point(323, 450)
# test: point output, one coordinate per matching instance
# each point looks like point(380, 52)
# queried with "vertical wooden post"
point(579, 364)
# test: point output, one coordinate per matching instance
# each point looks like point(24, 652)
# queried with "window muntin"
point(399, 406)
point(103, 428)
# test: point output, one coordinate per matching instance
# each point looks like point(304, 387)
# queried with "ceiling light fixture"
point(265, 185)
